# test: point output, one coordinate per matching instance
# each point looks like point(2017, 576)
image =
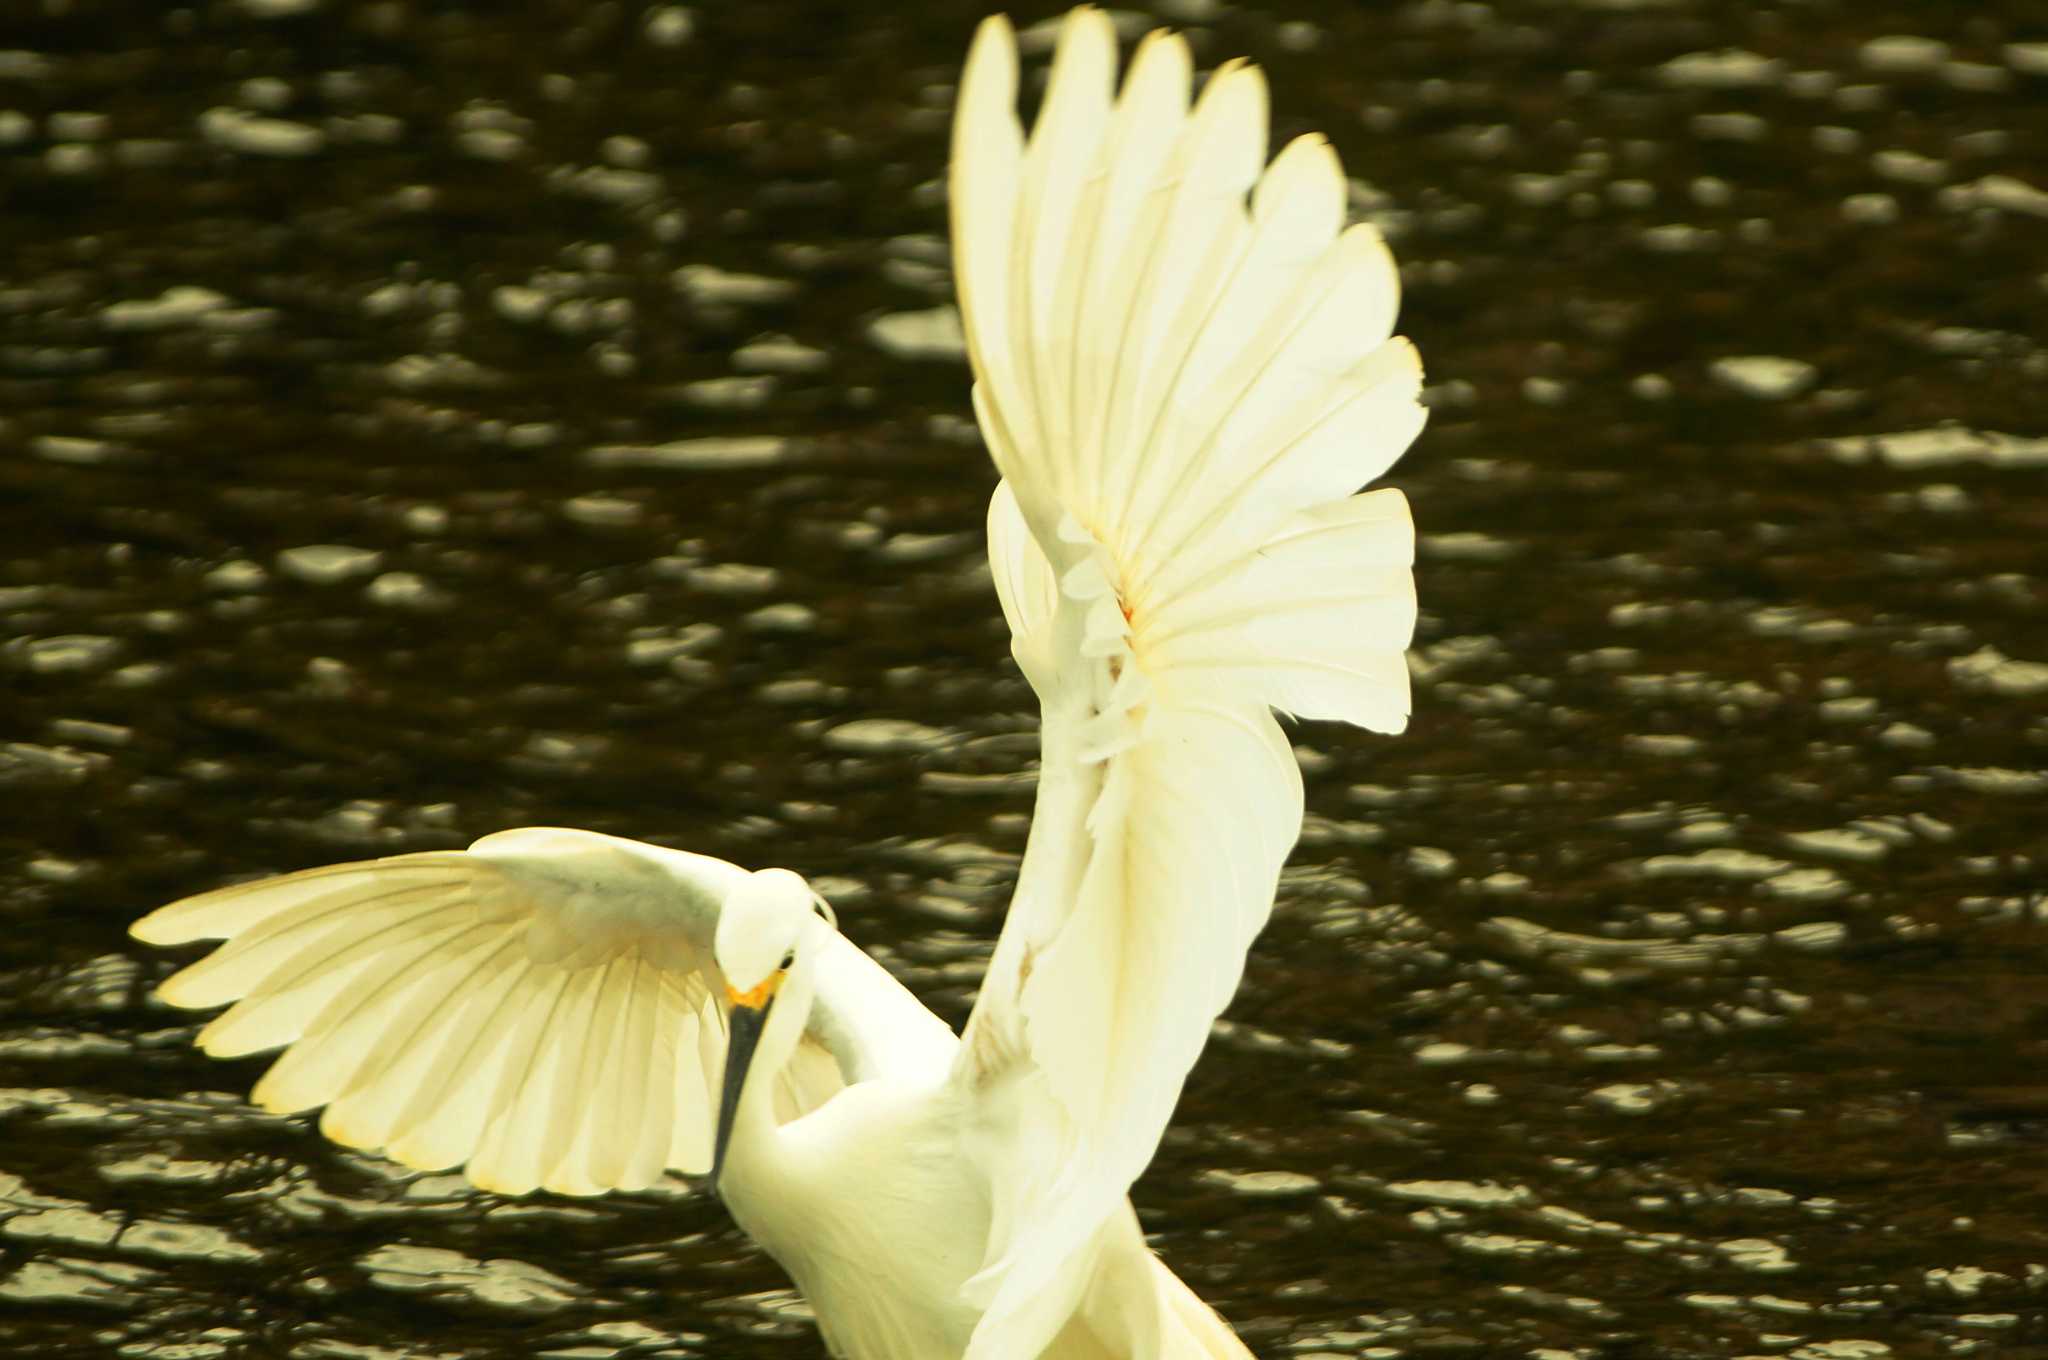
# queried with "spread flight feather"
point(1184, 371)
point(1182, 390)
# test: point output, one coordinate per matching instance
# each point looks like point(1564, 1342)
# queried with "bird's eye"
point(788, 959)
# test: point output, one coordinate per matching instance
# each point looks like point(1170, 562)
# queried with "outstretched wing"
point(541, 1007)
point(1184, 371)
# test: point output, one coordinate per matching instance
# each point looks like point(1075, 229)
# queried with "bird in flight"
point(1184, 371)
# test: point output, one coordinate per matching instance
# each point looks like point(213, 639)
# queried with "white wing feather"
point(1182, 388)
point(540, 1007)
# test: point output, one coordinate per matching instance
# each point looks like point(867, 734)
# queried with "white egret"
point(1183, 372)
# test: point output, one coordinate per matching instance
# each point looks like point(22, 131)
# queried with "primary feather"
point(1184, 370)
point(538, 1008)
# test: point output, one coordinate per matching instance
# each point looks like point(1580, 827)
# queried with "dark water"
point(1678, 986)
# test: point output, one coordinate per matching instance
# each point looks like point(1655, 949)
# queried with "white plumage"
point(1184, 371)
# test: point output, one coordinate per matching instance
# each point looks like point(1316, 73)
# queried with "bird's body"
point(1184, 372)
point(898, 1139)
point(884, 1270)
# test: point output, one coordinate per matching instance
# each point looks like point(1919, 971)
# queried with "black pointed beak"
point(744, 1023)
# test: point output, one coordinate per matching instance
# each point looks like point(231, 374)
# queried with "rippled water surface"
point(417, 420)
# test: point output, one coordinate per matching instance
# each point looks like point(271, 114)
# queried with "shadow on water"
point(420, 420)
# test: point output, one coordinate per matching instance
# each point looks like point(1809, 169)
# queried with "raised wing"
point(541, 1006)
point(1183, 372)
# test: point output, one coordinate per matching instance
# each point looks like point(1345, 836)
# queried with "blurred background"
point(423, 419)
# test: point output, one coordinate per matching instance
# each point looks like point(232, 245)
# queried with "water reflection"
point(426, 422)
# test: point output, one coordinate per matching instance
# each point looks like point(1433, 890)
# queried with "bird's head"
point(770, 928)
point(761, 927)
